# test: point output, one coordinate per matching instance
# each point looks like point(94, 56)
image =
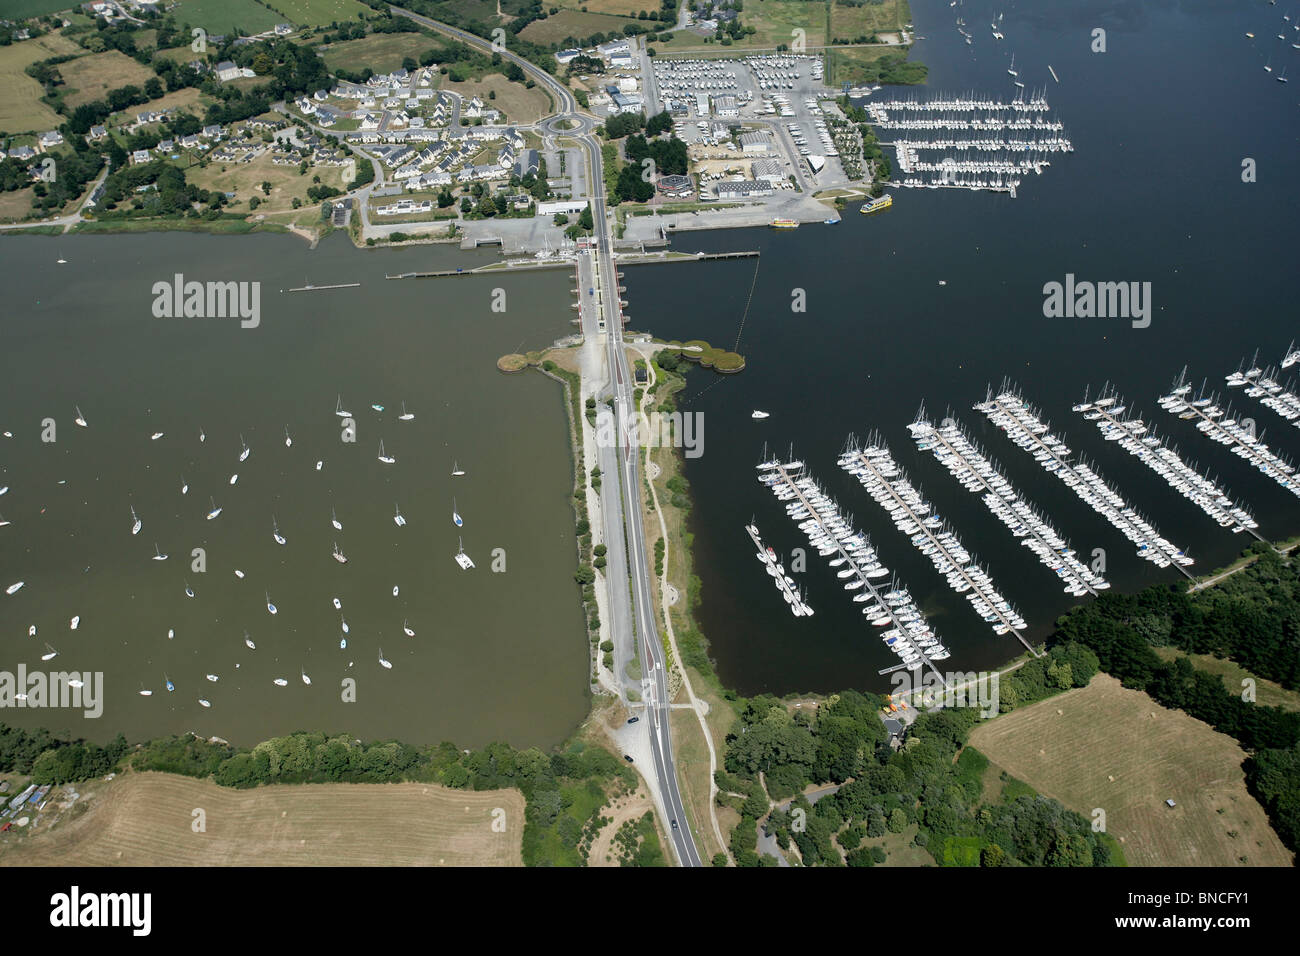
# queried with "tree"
point(266, 187)
point(584, 219)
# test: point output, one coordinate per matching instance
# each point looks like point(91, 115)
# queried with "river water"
point(1161, 123)
point(496, 654)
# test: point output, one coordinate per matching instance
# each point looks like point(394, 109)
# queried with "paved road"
point(622, 511)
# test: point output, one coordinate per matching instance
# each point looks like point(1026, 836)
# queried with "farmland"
point(318, 13)
point(147, 819)
point(1139, 755)
point(571, 23)
point(89, 78)
point(849, 23)
point(624, 8)
point(22, 9)
point(382, 52)
point(21, 109)
point(245, 181)
point(520, 104)
point(225, 16)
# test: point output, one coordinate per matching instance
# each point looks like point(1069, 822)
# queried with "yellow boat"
point(874, 205)
point(784, 224)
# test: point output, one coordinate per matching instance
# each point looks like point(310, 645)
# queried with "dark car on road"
point(627, 757)
point(633, 720)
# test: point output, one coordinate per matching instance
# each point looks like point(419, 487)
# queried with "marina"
point(1133, 435)
point(979, 475)
point(1223, 428)
point(934, 140)
point(1023, 425)
point(784, 583)
point(1261, 384)
point(885, 481)
point(907, 633)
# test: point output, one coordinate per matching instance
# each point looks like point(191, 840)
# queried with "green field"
point(21, 109)
point(22, 9)
point(318, 13)
point(849, 23)
point(224, 16)
point(382, 52)
point(572, 23)
point(861, 65)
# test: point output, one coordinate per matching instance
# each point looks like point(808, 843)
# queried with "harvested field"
point(145, 819)
point(1104, 746)
point(89, 78)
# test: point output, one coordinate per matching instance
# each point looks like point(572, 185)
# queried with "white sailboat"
point(305, 679)
point(275, 531)
point(343, 623)
point(406, 627)
point(386, 459)
point(456, 470)
point(155, 436)
point(455, 515)
point(398, 518)
point(1012, 69)
point(462, 558)
point(383, 662)
point(334, 519)
point(202, 436)
point(234, 478)
point(80, 419)
point(171, 633)
point(213, 677)
point(144, 692)
point(185, 486)
point(343, 643)
point(405, 416)
point(757, 415)
point(3, 522)
point(135, 527)
point(167, 681)
point(288, 442)
point(339, 556)
point(14, 588)
point(76, 620)
point(157, 554)
point(269, 606)
point(1281, 77)
point(320, 465)
point(51, 655)
point(205, 702)
point(338, 605)
point(215, 510)
point(239, 574)
point(243, 455)
point(249, 642)
point(31, 631)
point(280, 682)
point(189, 591)
point(394, 590)
point(338, 409)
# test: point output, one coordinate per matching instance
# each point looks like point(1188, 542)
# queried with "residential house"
point(226, 71)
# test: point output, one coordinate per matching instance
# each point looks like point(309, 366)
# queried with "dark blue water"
point(1161, 123)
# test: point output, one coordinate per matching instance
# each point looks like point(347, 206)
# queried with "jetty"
point(323, 288)
point(1024, 426)
point(908, 634)
point(1223, 428)
point(1134, 436)
point(979, 475)
point(885, 481)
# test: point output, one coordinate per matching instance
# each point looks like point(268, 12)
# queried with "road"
point(621, 512)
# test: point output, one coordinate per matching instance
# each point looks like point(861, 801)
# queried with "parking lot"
point(714, 100)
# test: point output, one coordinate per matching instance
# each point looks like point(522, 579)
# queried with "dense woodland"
point(925, 783)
